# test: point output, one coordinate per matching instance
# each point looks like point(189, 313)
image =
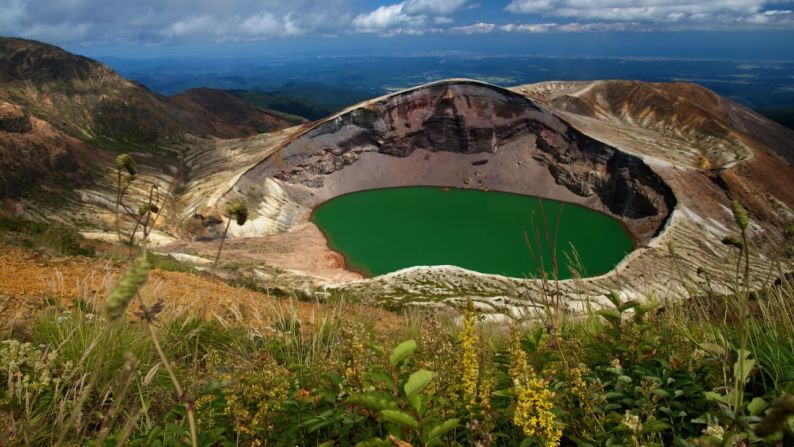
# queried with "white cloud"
point(408, 17)
point(486, 28)
point(477, 28)
point(387, 17)
point(442, 7)
point(529, 6)
point(663, 12)
point(155, 21)
point(528, 28)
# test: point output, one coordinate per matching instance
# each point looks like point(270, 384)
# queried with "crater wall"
point(454, 133)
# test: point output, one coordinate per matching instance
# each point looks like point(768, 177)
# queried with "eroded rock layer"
point(496, 140)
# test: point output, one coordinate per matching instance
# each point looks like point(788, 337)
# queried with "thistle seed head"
point(236, 209)
point(125, 161)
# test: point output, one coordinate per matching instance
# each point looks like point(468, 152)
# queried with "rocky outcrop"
point(14, 119)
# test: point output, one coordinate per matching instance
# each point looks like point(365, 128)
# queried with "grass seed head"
point(119, 298)
point(740, 215)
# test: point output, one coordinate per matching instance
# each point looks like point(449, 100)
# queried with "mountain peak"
point(28, 60)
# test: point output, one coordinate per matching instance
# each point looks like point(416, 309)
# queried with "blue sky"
point(162, 27)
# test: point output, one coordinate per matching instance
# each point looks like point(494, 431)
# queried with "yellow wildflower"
point(534, 400)
point(471, 360)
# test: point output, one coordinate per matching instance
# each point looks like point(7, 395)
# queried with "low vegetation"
point(714, 370)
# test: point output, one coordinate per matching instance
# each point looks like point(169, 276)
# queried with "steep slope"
point(59, 111)
point(743, 154)
point(228, 116)
point(690, 123)
point(33, 152)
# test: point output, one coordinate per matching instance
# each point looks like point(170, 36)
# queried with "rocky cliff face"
point(471, 119)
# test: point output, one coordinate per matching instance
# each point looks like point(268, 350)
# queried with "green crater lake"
point(384, 230)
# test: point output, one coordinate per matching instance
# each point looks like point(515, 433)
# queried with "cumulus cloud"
point(662, 12)
point(179, 21)
point(486, 28)
point(407, 17)
point(442, 7)
point(154, 21)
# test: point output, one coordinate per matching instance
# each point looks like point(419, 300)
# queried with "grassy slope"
point(302, 374)
point(309, 101)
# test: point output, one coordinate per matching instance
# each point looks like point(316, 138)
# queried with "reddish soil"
point(29, 282)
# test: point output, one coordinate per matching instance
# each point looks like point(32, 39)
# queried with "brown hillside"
point(226, 115)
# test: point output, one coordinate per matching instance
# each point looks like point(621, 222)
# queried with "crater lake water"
point(384, 230)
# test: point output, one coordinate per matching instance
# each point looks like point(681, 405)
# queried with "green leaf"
point(628, 305)
point(418, 401)
point(624, 379)
point(374, 401)
point(374, 442)
point(400, 418)
point(610, 315)
point(417, 382)
point(439, 430)
point(661, 393)
point(713, 349)
point(743, 366)
point(402, 351)
point(655, 426)
point(614, 395)
point(757, 406)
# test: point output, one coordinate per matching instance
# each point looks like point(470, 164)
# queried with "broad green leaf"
point(374, 401)
point(661, 393)
point(418, 401)
point(417, 382)
point(402, 352)
point(726, 399)
point(655, 426)
point(400, 418)
point(440, 429)
point(743, 366)
point(757, 406)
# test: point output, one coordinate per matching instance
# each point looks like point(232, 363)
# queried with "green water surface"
point(384, 230)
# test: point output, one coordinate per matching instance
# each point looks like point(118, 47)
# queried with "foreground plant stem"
point(179, 390)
